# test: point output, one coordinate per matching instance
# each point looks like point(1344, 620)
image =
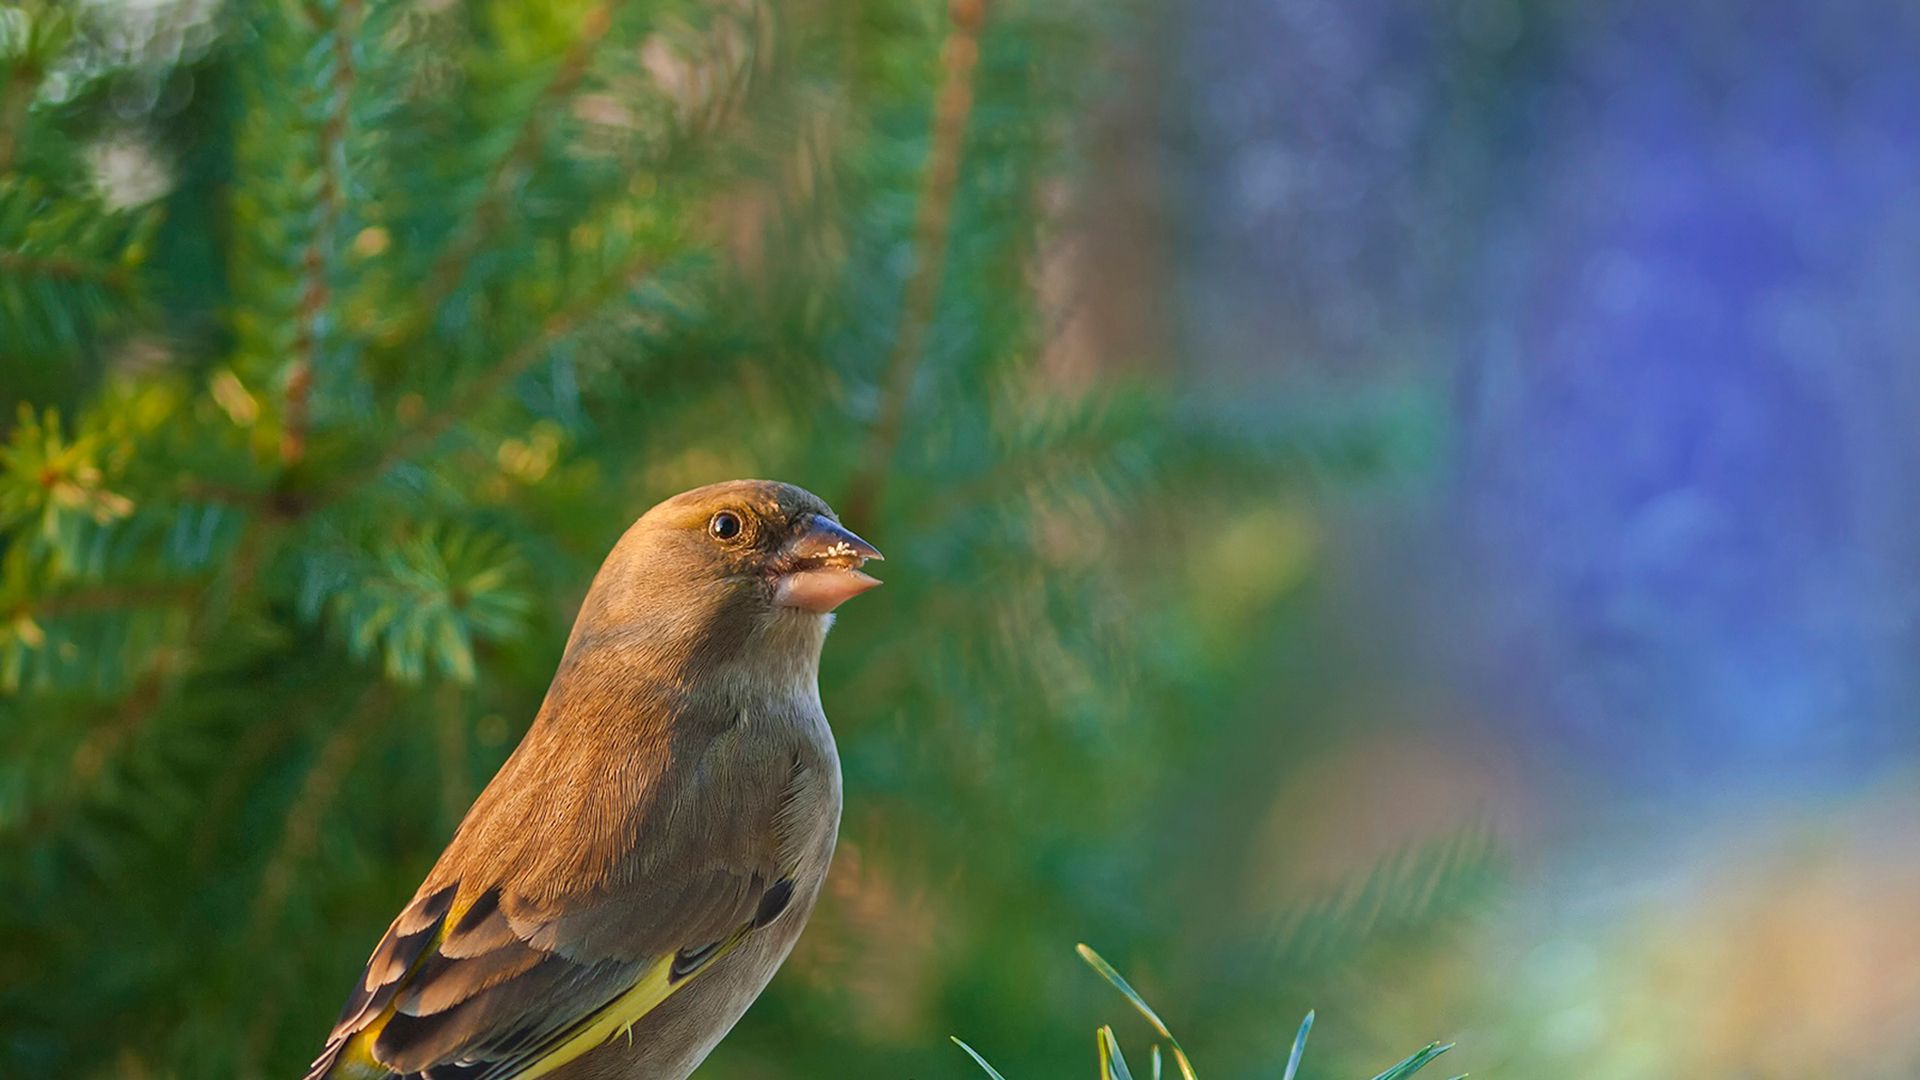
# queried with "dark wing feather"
point(413, 932)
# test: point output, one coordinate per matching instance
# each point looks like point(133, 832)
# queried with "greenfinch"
point(634, 874)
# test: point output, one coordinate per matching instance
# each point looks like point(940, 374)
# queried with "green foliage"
point(424, 597)
point(387, 318)
point(71, 266)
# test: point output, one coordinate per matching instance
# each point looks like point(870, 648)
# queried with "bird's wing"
point(478, 994)
point(483, 979)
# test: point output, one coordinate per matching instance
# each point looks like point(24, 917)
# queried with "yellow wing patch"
point(356, 1063)
point(618, 1016)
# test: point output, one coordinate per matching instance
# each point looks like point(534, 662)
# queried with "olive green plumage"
point(644, 861)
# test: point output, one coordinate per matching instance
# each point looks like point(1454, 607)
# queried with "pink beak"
point(822, 567)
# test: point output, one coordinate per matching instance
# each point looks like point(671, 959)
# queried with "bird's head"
point(725, 568)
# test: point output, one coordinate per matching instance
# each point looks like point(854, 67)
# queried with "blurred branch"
point(66, 268)
point(298, 838)
point(109, 598)
point(101, 743)
point(106, 739)
point(450, 266)
point(482, 388)
point(301, 830)
point(225, 494)
point(15, 95)
point(315, 292)
point(959, 57)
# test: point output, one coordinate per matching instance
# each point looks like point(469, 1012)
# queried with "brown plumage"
point(650, 852)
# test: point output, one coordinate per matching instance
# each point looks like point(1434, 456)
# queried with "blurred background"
point(1403, 509)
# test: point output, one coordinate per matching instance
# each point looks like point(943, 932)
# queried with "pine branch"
point(67, 267)
point(417, 603)
point(101, 744)
point(477, 392)
point(316, 262)
point(16, 94)
point(110, 275)
point(301, 830)
point(203, 490)
point(450, 266)
point(959, 57)
point(299, 835)
point(109, 598)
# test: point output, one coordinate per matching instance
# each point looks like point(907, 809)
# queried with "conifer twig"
point(66, 268)
point(450, 265)
point(448, 268)
point(298, 837)
point(480, 389)
point(953, 105)
point(302, 826)
point(109, 598)
point(105, 740)
point(316, 291)
point(225, 494)
point(15, 96)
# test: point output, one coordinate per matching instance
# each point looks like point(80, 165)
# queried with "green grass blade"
point(1415, 1062)
point(1107, 972)
point(977, 1059)
point(1299, 1047)
point(1154, 1062)
point(1113, 1066)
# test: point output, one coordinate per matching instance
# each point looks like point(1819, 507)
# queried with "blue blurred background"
point(1654, 606)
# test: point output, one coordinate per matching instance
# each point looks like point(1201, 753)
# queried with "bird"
point(632, 877)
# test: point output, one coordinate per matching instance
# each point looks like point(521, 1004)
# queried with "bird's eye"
point(725, 525)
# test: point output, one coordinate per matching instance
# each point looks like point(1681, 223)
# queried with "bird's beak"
point(820, 566)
